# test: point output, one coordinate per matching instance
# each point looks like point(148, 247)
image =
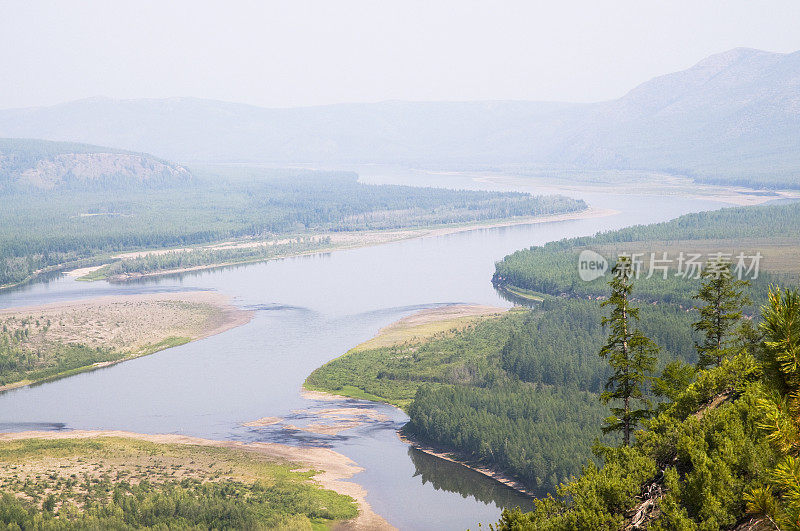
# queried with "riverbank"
point(358, 372)
point(327, 469)
point(320, 427)
point(61, 339)
point(407, 332)
point(319, 243)
point(455, 457)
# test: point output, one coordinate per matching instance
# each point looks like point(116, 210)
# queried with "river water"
point(309, 310)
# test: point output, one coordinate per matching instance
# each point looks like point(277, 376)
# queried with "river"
point(309, 310)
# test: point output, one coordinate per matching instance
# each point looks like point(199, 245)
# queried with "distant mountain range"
point(38, 164)
point(733, 117)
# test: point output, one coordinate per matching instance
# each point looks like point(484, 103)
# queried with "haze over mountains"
point(38, 164)
point(734, 116)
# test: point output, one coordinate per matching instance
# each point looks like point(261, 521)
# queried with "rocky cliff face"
point(100, 168)
point(27, 164)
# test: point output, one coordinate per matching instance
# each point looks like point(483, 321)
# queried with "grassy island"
point(57, 340)
point(130, 483)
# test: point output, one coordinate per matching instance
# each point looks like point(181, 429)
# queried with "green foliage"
point(721, 454)
point(631, 355)
point(185, 504)
point(731, 377)
point(552, 268)
point(781, 327)
point(697, 465)
point(779, 405)
point(538, 435)
point(19, 363)
point(276, 497)
point(676, 377)
point(724, 299)
point(597, 499)
point(557, 344)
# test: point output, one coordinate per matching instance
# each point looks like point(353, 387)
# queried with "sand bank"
point(127, 326)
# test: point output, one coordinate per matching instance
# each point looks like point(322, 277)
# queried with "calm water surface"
point(309, 310)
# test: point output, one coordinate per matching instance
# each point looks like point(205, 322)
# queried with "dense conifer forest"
point(45, 230)
point(773, 230)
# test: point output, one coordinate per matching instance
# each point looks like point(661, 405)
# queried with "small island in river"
point(52, 341)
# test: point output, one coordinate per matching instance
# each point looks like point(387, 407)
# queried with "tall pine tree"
point(631, 355)
point(724, 299)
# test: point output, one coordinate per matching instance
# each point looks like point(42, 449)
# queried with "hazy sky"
point(288, 53)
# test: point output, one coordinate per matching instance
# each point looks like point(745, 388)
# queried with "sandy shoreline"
point(342, 241)
point(428, 321)
point(143, 323)
point(441, 453)
point(209, 297)
point(334, 467)
point(425, 323)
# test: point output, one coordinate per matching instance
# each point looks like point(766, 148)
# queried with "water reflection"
point(452, 477)
point(516, 300)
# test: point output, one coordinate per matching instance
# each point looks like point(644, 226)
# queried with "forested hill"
point(731, 118)
point(29, 164)
point(773, 231)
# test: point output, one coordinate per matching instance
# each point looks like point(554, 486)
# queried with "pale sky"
point(292, 53)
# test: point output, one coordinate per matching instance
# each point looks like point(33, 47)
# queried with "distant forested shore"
point(47, 230)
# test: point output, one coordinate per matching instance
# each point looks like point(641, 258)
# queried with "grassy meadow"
point(125, 483)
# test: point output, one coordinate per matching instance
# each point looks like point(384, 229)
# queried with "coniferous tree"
point(781, 327)
point(675, 378)
point(724, 299)
point(631, 355)
point(780, 409)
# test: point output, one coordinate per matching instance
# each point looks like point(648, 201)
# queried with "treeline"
point(553, 268)
point(175, 260)
point(538, 435)
point(775, 179)
point(40, 230)
point(721, 449)
point(557, 345)
point(187, 504)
